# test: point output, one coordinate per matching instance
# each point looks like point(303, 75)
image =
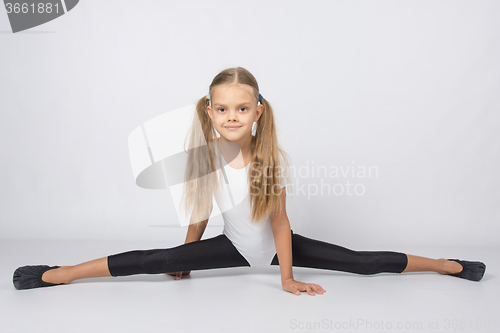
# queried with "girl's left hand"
point(295, 287)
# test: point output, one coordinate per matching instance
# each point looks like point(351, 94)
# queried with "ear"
point(258, 113)
point(209, 111)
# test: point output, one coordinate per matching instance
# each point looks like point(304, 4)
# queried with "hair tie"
point(260, 97)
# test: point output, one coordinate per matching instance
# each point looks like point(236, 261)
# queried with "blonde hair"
point(268, 163)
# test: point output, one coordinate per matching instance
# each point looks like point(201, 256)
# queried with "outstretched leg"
point(311, 253)
point(422, 264)
point(215, 252)
point(89, 269)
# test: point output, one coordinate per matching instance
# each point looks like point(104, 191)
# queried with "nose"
point(232, 114)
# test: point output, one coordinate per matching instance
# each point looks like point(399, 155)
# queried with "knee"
point(371, 263)
point(382, 262)
point(158, 261)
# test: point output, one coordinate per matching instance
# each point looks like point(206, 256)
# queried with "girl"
point(256, 230)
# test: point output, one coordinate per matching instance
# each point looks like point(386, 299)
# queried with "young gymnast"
point(257, 230)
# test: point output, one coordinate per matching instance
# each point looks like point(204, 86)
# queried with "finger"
point(294, 290)
point(318, 289)
point(178, 276)
point(309, 290)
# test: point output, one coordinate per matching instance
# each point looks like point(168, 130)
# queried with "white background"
point(408, 86)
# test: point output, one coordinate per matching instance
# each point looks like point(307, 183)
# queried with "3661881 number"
point(31, 8)
point(478, 324)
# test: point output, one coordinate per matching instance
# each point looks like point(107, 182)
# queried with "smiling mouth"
point(232, 127)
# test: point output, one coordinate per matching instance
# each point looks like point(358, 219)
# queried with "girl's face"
point(233, 111)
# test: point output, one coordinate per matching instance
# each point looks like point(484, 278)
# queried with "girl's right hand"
point(178, 275)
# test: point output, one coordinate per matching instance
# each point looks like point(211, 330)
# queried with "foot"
point(472, 270)
point(449, 266)
point(56, 275)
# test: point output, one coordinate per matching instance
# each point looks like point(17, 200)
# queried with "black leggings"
point(219, 252)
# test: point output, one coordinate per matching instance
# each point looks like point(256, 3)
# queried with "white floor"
point(243, 299)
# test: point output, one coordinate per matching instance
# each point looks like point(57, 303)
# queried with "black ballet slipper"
point(28, 277)
point(472, 270)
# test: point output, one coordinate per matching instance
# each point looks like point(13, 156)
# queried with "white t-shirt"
point(255, 242)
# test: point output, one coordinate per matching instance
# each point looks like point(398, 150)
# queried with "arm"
point(195, 231)
point(283, 242)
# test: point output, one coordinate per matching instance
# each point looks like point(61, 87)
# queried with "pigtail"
point(200, 180)
point(269, 171)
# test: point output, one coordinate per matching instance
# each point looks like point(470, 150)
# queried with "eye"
point(223, 110)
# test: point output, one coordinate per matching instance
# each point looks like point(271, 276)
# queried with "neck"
point(244, 145)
